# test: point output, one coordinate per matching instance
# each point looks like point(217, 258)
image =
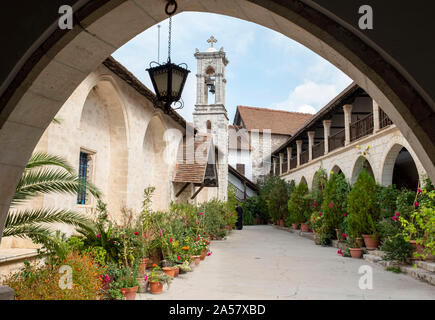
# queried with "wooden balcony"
point(337, 140)
point(318, 150)
point(361, 128)
point(304, 157)
point(384, 120)
point(293, 162)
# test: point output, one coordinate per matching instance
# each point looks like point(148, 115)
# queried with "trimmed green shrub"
point(362, 208)
point(299, 205)
point(386, 197)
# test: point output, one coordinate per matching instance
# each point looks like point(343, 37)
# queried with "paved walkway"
point(262, 262)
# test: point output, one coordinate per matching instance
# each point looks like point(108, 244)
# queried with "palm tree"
point(45, 173)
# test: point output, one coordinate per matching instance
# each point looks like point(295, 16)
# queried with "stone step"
point(377, 253)
point(308, 235)
point(419, 273)
point(378, 260)
point(426, 265)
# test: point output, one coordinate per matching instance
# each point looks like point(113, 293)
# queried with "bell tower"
point(210, 114)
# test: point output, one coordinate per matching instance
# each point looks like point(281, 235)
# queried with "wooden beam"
point(196, 192)
point(182, 189)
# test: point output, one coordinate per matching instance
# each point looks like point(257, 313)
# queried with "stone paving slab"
point(262, 262)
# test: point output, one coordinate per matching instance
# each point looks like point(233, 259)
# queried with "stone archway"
point(399, 161)
point(336, 169)
point(303, 180)
point(108, 146)
point(361, 164)
point(49, 75)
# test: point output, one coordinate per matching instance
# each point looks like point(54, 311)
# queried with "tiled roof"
point(278, 121)
point(238, 138)
point(194, 172)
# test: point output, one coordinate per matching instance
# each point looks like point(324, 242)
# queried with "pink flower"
point(178, 258)
point(331, 205)
point(170, 239)
point(345, 214)
point(395, 218)
point(419, 190)
point(98, 235)
point(196, 221)
point(416, 204)
point(320, 214)
point(201, 213)
point(344, 235)
point(145, 278)
point(209, 254)
point(397, 214)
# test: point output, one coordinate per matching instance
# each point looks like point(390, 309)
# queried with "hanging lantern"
point(169, 79)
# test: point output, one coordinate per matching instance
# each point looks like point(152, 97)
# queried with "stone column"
point(299, 150)
point(310, 144)
point(326, 134)
point(376, 124)
point(281, 161)
point(347, 108)
point(289, 156)
point(274, 166)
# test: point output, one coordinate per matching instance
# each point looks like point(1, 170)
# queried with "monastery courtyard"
point(264, 263)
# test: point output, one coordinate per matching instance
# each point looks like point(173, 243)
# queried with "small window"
point(208, 124)
point(241, 168)
point(85, 172)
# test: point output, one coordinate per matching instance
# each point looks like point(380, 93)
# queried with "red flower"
point(397, 214)
point(178, 258)
point(419, 190)
point(320, 214)
point(416, 204)
point(345, 214)
point(136, 233)
point(170, 239)
point(344, 235)
point(331, 205)
point(395, 218)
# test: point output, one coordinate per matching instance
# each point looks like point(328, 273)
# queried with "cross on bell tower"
point(211, 41)
point(212, 117)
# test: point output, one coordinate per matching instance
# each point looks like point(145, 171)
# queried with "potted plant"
point(157, 279)
point(355, 248)
point(124, 281)
point(419, 230)
point(363, 211)
point(185, 267)
point(142, 283)
point(299, 206)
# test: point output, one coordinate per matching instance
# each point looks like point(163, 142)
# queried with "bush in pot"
point(124, 281)
point(299, 205)
point(363, 211)
point(334, 205)
point(157, 279)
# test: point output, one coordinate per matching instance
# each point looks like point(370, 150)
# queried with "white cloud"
point(308, 97)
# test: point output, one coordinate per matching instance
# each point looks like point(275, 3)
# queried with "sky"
point(266, 69)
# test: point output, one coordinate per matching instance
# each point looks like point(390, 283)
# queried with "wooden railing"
point(304, 157)
point(337, 140)
point(318, 150)
point(284, 166)
point(361, 128)
point(293, 162)
point(384, 120)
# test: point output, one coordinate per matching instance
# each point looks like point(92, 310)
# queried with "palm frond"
point(35, 217)
point(39, 159)
point(46, 180)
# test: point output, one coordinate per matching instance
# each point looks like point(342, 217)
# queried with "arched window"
point(208, 125)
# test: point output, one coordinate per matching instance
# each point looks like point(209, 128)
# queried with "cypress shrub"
point(362, 208)
point(299, 205)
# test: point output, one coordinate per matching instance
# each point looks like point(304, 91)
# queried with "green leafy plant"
point(157, 275)
point(299, 205)
point(362, 209)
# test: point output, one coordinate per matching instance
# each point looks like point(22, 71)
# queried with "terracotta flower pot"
point(129, 293)
point(196, 260)
point(143, 285)
point(294, 226)
point(370, 242)
point(156, 287)
point(170, 271)
point(304, 227)
point(203, 254)
point(356, 253)
point(177, 271)
point(228, 227)
point(143, 265)
point(281, 223)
